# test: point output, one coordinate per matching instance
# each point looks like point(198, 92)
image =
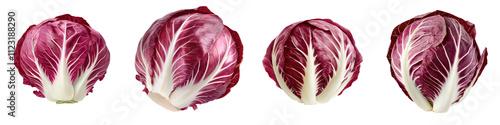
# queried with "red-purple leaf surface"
point(435, 59)
point(313, 60)
point(62, 57)
point(188, 57)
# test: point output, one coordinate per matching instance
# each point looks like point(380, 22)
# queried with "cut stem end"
point(160, 100)
point(66, 101)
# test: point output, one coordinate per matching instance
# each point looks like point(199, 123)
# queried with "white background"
point(374, 98)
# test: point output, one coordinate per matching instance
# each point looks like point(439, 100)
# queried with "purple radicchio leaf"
point(62, 57)
point(188, 57)
point(313, 61)
point(435, 59)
